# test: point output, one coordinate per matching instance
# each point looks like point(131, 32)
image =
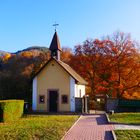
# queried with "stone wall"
point(111, 104)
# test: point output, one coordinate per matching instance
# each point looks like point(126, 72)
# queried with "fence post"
point(86, 103)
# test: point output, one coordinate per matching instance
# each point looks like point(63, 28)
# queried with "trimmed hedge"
point(11, 110)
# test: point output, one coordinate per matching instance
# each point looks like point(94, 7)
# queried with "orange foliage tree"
point(111, 66)
point(6, 57)
point(66, 54)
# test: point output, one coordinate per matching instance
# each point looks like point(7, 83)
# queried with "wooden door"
point(53, 101)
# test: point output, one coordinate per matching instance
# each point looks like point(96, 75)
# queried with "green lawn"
point(37, 127)
point(128, 118)
point(127, 134)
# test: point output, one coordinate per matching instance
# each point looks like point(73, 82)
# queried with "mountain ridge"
point(29, 49)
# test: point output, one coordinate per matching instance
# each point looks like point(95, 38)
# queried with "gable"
point(67, 69)
point(53, 71)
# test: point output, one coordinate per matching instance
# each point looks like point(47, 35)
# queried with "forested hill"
point(2, 53)
point(18, 68)
point(33, 49)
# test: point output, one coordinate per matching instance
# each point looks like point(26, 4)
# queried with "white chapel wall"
point(34, 94)
point(79, 90)
point(72, 94)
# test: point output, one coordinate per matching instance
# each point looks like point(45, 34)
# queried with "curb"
point(108, 120)
point(71, 127)
point(114, 135)
point(112, 132)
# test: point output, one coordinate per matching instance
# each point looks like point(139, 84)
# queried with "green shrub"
point(11, 110)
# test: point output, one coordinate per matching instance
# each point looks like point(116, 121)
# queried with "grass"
point(126, 118)
point(51, 127)
point(127, 134)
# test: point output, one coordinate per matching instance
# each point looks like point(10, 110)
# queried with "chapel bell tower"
point(55, 47)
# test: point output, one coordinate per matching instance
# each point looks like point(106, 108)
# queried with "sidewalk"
point(90, 127)
point(121, 126)
point(126, 127)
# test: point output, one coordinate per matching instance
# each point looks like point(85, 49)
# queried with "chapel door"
point(53, 101)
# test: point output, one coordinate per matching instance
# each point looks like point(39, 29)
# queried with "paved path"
point(126, 127)
point(90, 127)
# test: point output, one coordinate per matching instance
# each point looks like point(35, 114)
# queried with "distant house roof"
point(68, 69)
point(55, 44)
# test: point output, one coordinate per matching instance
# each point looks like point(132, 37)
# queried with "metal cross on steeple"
point(55, 25)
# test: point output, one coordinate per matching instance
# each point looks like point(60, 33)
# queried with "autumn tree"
point(111, 66)
point(125, 75)
point(66, 54)
point(85, 61)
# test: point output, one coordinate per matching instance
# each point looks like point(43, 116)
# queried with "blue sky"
point(25, 23)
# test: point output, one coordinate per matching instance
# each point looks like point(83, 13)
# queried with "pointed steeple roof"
point(55, 44)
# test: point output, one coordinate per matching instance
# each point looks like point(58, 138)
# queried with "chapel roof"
point(73, 73)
